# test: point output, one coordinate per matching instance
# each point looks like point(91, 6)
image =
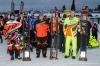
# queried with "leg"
point(38, 51)
point(78, 41)
point(83, 51)
point(67, 45)
point(17, 53)
point(63, 44)
point(96, 37)
point(11, 54)
point(44, 51)
point(74, 46)
point(1, 38)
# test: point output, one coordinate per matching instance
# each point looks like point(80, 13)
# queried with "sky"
point(46, 4)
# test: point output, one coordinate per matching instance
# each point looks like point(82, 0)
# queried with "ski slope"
point(92, 54)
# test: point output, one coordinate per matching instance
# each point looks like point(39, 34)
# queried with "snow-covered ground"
point(92, 54)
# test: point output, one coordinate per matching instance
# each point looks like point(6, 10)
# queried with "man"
point(85, 26)
point(70, 31)
point(55, 35)
point(95, 31)
point(62, 38)
point(1, 27)
point(11, 33)
point(41, 34)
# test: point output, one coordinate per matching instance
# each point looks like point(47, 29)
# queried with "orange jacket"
point(68, 30)
point(42, 29)
point(54, 23)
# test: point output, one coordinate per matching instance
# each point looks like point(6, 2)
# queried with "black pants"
point(14, 52)
point(44, 50)
point(62, 43)
point(83, 42)
point(42, 46)
point(95, 35)
point(1, 38)
point(32, 39)
point(78, 41)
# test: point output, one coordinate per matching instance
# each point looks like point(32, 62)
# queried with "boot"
point(66, 57)
point(73, 57)
point(83, 56)
point(83, 59)
point(38, 56)
point(12, 57)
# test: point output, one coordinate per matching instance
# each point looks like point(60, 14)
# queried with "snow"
point(92, 54)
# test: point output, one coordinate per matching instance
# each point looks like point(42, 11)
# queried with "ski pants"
point(1, 38)
point(69, 40)
point(83, 42)
point(17, 53)
point(41, 46)
point(94, 34)
point(62, 43)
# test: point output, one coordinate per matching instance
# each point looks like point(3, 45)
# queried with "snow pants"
point(69, 40)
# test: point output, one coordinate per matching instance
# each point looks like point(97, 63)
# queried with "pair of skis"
point(54, 40)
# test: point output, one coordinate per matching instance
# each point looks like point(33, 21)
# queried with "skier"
point(70, 32)
point(55, 35)
point(11, 34)
point(41, 35)
point(62, 38)
point(95, 31)
point(85, 26)
point(1, 27)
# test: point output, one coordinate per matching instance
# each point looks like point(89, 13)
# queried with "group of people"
point(38, 31)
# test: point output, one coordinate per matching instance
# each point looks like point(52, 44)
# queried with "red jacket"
point(42, 29)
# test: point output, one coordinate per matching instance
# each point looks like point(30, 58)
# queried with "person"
point(41, 35)
point(62, 38)
point(95, 31)
point(55, 34)
point(1, 27)
point(70, 32)
point(11, 34)
point(85, 26)
point(32, 31)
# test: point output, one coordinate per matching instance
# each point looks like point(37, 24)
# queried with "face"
point(84, 18)
point(12, 17)
point(72, 13)
point(24, 18)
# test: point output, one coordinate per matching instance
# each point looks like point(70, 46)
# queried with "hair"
point(12, 15)
point(1, 17)
point(64, 16)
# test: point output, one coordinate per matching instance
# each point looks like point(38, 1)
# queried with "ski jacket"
point(42, 29)
point(54, 23)
point(70, 26)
